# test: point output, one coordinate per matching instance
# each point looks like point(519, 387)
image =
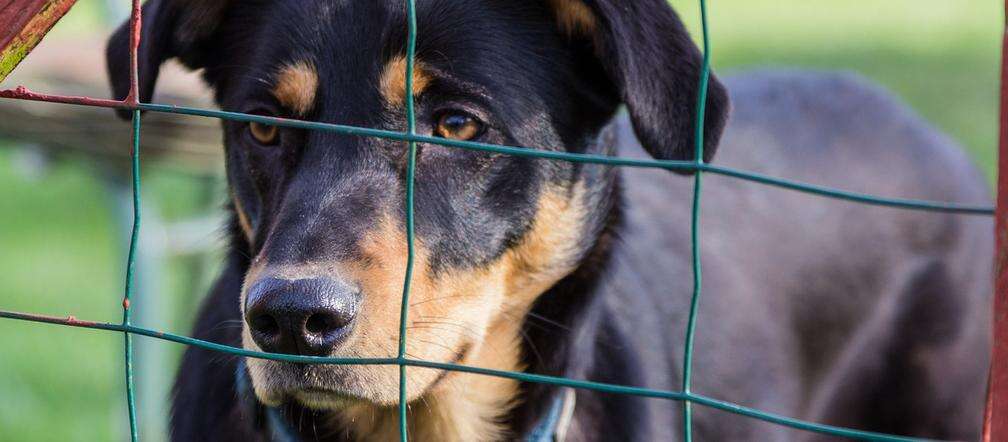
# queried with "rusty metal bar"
point(996, 415)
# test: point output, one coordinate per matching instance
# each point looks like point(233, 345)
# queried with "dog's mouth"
point(323, 399)
point(313, 386)
point(335, 387)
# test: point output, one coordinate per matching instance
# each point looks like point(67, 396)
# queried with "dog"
point(830, 311)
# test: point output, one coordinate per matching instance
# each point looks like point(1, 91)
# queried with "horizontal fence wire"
point(519, 376)
point(411, 138)
point(681, 166)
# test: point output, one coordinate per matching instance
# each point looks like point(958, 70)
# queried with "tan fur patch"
point(575, 17)
point(243, 219)
point(393, 80)
point(296, 86)
point(480, 310)
point(547, 252)
point(465, 407)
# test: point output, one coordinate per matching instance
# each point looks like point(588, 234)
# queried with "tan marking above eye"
point(296, 87)
point(458, 126)
point(392, 83)
point(263, 133)
point(243, 220)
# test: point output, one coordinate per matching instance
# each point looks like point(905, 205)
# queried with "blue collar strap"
point(274, 423)
point(551, 428)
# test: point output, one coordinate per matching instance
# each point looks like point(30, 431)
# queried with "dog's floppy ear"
point(649, 56)
point(170, 29)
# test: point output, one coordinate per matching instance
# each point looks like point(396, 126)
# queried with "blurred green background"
point(61, 241)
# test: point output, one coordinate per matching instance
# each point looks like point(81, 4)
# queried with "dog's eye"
point(458, 126)
point(263, 133)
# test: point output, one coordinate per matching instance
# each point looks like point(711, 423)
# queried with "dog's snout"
point(305, 317)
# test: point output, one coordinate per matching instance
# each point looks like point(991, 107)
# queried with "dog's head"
point(323, 213)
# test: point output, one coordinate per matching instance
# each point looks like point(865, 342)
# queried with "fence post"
point(996, 416)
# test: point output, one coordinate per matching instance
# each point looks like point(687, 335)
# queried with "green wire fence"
point(411, 138)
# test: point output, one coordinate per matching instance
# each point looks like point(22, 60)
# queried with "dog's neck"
point(559, 331)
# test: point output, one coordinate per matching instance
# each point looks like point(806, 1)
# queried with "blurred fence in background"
point(41, 136)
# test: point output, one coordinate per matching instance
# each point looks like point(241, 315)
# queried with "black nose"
point(304, 317)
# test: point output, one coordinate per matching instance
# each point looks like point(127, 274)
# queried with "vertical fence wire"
point(698, 138)
point(133, 98)
point(410, 240)
point(130, 270)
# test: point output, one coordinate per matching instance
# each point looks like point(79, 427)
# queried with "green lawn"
point(941, 56)
point(62, 254)
point(58, 249)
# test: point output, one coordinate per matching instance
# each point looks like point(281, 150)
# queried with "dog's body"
point(813, 308)
point(882, 311)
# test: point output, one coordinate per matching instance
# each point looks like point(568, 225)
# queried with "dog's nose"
point(304, 317)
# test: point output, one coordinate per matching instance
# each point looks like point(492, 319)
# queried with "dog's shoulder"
point(799, 122)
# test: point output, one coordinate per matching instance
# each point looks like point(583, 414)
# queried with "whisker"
point(441, 298)
point(537, 317)
point(472, 330)
point(428, 327)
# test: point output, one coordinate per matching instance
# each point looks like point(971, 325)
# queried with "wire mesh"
point(411, 138)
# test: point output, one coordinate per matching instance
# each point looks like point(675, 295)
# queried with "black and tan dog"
point(819, 309)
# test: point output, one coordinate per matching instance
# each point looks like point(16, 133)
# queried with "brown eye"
point(458, 126)
point(263, 133)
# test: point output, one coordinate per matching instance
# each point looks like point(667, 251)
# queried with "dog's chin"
point(317, 387)
point(325, 400)
point(309, 397)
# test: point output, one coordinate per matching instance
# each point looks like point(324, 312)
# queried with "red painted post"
point(996, 417)
point(22, 24)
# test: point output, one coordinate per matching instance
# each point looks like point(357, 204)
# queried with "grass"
point(62, 254)
point(940, 56)
point(59, 253)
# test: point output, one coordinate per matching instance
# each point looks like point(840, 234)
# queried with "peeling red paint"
point(136, 24)
point(23, 23)
point(23, 93)
point(15, 17)
point(126, 304)
point(70, 320)
point(73, 321)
